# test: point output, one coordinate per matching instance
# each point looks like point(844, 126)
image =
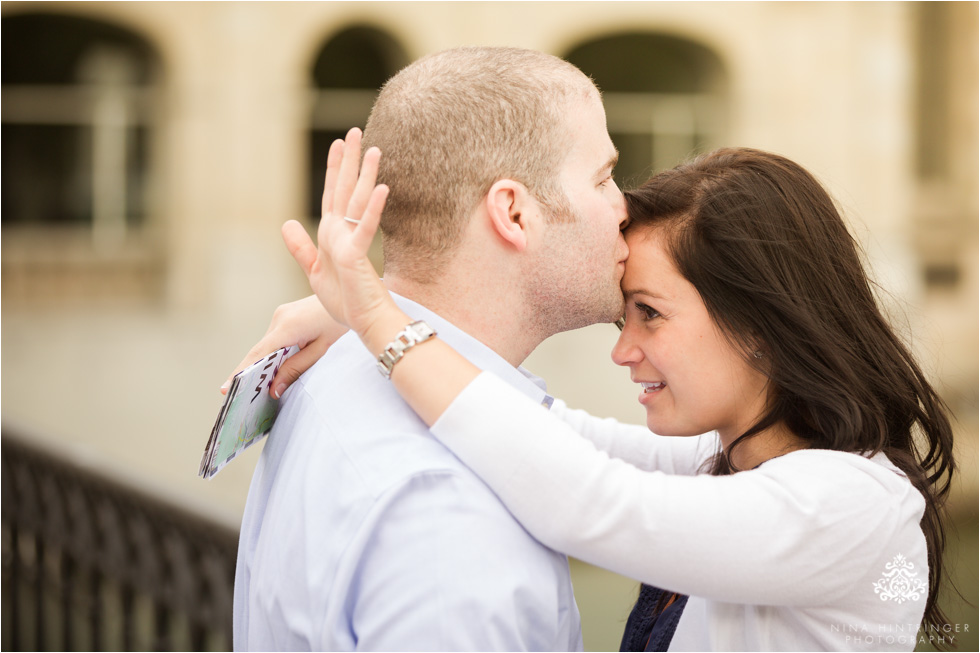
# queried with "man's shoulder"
point(342, 415)
point(344, 390)
point(347, 363)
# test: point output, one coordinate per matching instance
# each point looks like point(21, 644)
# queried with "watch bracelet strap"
point(415, 333)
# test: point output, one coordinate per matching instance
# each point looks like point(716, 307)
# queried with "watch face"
point(421, 330)
point(412, 335)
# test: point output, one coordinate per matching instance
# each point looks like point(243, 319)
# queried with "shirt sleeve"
point(440, 571)
point(799, 530)
point(636, 445)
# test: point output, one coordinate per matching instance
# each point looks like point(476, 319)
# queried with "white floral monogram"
point(899, 583)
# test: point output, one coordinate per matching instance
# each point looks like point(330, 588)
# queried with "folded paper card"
point(247, 413)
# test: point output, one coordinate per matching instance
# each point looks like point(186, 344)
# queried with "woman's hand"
point(304, 323)
point(349, 291)
point(338, 268)
point(345, 281)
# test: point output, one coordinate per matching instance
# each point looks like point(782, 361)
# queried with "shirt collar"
point(478, 353)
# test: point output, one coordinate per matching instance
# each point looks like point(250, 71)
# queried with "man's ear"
point(507, 203)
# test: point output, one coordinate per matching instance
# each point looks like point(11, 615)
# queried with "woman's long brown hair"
point(777, 269)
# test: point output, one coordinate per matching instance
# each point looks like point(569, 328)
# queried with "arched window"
point(943, 222)
point(664, 98)
point(347, 74)
point(75, 122)
point(77, 116)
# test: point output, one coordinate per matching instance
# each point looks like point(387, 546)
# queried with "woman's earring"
point(757, 353)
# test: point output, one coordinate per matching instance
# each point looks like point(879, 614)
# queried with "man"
point(502, 228)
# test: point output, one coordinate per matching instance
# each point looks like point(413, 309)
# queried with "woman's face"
point(693, 380)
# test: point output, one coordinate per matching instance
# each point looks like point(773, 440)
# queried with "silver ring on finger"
point(352, 220)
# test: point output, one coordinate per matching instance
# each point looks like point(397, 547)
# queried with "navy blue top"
point(649, 628)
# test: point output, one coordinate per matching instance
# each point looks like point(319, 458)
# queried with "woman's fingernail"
point(224, 386)
point(281, 388)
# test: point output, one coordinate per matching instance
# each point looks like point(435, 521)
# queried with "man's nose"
point(623, 215)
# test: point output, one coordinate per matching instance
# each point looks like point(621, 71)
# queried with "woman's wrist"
point(384, 329)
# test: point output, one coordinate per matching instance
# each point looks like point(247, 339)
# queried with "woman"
point(809, 518)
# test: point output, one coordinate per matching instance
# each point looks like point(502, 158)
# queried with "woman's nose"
point(624, 352)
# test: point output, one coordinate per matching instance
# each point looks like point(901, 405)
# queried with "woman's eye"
point(647, 312)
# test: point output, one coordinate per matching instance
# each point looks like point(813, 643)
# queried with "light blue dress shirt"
point(361, 531)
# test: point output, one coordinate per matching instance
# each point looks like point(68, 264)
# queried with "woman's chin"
point(667, 429)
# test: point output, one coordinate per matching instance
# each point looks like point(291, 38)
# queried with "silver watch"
point(410, 336)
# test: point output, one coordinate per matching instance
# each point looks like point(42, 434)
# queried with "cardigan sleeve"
point(636, 445)
point(800, 529)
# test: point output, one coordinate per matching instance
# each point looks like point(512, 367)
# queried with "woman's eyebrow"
point(629, 294)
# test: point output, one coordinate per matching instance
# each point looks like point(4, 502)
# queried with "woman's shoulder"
point(876, 466)
point(845, 475)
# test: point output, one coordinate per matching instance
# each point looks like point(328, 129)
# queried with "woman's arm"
point(636, 445)
point(800, 530)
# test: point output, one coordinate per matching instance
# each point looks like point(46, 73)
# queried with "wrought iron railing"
point(89, 564)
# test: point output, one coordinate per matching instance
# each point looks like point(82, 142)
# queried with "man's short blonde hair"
point(452, 124)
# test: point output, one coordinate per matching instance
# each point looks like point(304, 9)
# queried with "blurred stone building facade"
point(152, 150)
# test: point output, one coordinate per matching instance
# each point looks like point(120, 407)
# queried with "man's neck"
point(493, 315)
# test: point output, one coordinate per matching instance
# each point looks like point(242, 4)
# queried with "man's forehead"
point(589, 135)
